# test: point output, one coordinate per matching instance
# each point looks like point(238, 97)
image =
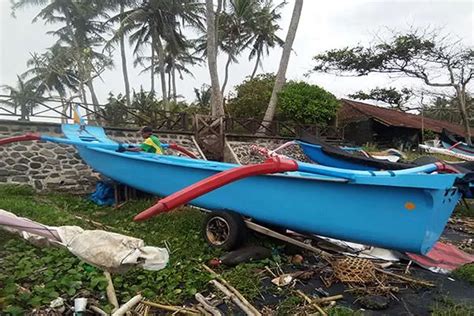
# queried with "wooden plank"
point(274, 234)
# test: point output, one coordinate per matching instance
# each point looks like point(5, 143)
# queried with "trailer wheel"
point(225, 230)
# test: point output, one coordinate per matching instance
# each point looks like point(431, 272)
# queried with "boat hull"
point(455, 143)
point(397, 217)
point(316, 154)
point(461, 149)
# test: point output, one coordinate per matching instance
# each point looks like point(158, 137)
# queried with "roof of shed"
point(392, 117)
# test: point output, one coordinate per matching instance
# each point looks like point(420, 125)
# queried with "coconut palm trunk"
point(217, 108)
point(152, 68)
point(173, 79)
point(161, 66)
point(256, 66)
point(285, 57)
point(226, 73)
point(124, 59)
point(95, 101)
point(169, 85)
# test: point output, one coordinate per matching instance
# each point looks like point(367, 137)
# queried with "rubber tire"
point(238, 229)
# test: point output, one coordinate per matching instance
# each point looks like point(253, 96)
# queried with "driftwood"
point(263, 230)
point(270, 271)
point(177, 309)
point(405, 278)
point(203, 311)
point(111, 291)
point(311, 302)
point(206, 305)
point(328, 299)
point(244, 307)
point(127, 306)
point(98, 311)
point(233, 290)
point(94, 223)
point(407, 270)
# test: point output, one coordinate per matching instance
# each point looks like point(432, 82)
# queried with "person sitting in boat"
point(151, 143)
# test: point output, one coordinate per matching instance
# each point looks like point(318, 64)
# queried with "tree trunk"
point(63, 109)
point(83, 94)
point(95, 101)
point(461, 95)
point(161, 65)
point(226, 74)
point(124, 60)
point(285, 57)
point(169, 85)
point(256, 66)
point(173, 79)
point(217, 108)
point(152, 69)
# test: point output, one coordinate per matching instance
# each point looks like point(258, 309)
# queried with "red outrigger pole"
point(22, 138)
point(271, 165)
point(182, 150)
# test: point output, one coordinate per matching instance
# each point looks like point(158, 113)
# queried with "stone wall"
point(55, 167)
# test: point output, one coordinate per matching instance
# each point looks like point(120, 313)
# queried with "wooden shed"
point(365, 123)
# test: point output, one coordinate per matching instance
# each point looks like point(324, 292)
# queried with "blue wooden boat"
point(333, 156)
point(456, 143)
point(405, 210)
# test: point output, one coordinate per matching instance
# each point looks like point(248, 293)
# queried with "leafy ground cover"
point(31, 277)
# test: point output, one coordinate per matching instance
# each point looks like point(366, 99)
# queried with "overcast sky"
point(323, 25)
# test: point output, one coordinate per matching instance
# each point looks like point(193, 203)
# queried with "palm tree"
point(203, 96)
point(83, 31)
point(264, 26)
point(245, 24)
point(285, 57)
point(234, 31)
point(52, 72)
point(120, 38)
point(177, 60)
point(25, 97)
point(156, 22)
point(217, 106)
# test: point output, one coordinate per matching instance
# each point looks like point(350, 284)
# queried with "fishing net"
point(353, 270)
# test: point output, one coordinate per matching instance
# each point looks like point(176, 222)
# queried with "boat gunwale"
point(302, 175)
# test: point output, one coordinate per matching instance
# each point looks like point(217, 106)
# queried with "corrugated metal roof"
point(391, 117)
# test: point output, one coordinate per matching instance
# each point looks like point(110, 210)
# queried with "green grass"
point(446, 307)
point(466, 272)
point(465, 211)
point(176, 284)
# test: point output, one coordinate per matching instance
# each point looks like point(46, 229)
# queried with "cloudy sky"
point(323, 25)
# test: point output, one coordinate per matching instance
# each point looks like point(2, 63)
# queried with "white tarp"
point(106, 250)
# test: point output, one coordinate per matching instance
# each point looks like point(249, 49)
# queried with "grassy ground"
point(465, 272)
point(446, 307)
point(31, 277)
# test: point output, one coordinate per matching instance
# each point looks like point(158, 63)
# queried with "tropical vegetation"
point(167, 38)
